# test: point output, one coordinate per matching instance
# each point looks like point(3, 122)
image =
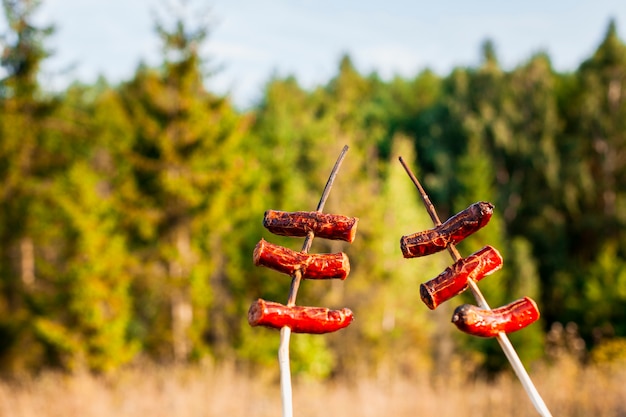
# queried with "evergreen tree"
point(592, 175)
point(93, 310)
point(68, 302)
point(184, 165)
point(128, 214)
point(29, 156)
point(88, 324)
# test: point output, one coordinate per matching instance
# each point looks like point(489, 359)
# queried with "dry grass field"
point(569, 390)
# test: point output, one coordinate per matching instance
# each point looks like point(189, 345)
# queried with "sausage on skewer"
point(299, 223)
point(454, 279)
point(488, 323)
point(312, 266)
point(314, 320)
point(454, 230)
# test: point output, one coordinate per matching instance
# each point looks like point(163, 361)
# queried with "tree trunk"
point(181, 308)
point(27, 261)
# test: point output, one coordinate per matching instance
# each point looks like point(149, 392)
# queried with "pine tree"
point(29, 156)
point(90, 324)
point(68, 291)
point(184, 165)
point(592, 175)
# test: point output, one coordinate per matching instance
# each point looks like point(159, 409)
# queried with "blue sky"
point(251, 40)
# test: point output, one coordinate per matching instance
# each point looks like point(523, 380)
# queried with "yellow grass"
point(568, 389)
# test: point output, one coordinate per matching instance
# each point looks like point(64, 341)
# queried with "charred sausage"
point(314, 320)
point(312, 266)
point(454, 279)
point(488, 323)
point(454, 230)
point(299, 223)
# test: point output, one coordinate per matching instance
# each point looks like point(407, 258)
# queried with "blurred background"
point(141, 144)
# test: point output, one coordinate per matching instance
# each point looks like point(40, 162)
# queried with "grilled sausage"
point(454, 279)
point(312, 266)
point(314, 320)
point(454, 230)
point(299, 223)
point(488, 323)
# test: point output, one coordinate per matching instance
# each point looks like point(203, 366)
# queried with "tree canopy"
point(129, 212)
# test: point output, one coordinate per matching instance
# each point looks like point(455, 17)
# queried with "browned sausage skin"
point(312, 266)
point(454, 230)
point(299, 223)
point(454, 279)
point(488, 323)
point(300, 319)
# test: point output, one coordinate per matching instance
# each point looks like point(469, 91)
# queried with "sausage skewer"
point(454, 230)
point(455, 278)
point(285, 331)
point(489, 323)
point(311, 266)
point(313, 320)
point(299, 223)
point(308, 240)
point(502, 338)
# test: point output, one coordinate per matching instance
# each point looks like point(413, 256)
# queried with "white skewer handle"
point(285, 372)
point(522, 375)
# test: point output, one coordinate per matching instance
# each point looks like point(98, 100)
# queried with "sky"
point(252, 40)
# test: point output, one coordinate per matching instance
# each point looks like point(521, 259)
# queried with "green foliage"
point(611, 352)
point(129, 213)
point(311, 356)
point(97, 278)
point(24, 49)
point(605, 308)
point(184, 183)
point(29, 157)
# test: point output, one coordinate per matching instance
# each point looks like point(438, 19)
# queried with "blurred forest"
point(129, 212)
